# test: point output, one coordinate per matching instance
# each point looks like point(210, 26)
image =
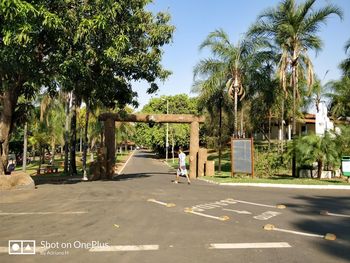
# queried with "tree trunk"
point(269, 129)
point(81, 141)
point(73, 137)
point(86, 145)
point(220, 139)
point(25, 142)
point(40, 154)
point(66, 135)
point(53, 146)
point(242, 123)
point(319, 168)
point(282, 126)
point(235, 111)
point(295, 87)
point(8, 101)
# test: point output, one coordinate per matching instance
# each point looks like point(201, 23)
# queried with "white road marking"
point(327, 236)
point(298, 233)
point(249, 245)
point(238, 211)
point(126, 163)
point(216, 204)
point(44, 213)
point(326, 213)
point(221, 218)
point(125, 248)
point(267, 215)
point(161, 203)
point(257, 204)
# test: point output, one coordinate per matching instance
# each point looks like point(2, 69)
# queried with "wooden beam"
point(157, 118)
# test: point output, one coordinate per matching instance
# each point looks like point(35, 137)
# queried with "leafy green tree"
point(345, 65)
point(109, 44)
point(154, 137)
point(340, 97)
point(26, 42)
point(320, 149)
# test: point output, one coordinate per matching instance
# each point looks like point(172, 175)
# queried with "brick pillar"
point(109, 126)
point(194, 147)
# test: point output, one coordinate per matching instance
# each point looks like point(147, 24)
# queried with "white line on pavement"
point(161, 203)
point(249, 245)
point(326, 213)
point(221, 218)
point(298, 233)
point(250, 203)
point(43, 213)
point(126, 162)
point(238, 211)
point(328, 236)
point(125, 248)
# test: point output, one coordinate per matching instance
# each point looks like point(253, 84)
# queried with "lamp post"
point(167, 133)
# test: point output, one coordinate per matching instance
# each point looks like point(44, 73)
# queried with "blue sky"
point(195, 19)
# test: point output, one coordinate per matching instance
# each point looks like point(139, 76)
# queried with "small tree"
point(320, 149)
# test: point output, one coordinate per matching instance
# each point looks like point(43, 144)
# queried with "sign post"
point(345, 166)
point(242, 156)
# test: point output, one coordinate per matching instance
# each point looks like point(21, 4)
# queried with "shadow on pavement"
point(122, 177)
point(146, 154)
point(338, 225)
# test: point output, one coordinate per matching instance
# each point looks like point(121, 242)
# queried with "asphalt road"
point(142, 216)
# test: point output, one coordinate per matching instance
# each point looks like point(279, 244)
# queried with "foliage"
point(155, 137)
point(345, 64)
point(340, 97)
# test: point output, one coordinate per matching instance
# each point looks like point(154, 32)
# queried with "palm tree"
point(340, 97)
point(322, 149)
point(294, 27)
point(345, 65)
point(212, 88)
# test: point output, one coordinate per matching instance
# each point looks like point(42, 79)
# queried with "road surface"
point(142, 216)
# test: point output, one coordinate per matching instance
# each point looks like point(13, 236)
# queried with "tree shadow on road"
point(123, 177)
point(338, 225)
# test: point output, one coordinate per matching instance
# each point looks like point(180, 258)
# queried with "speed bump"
point(280, 206)
point(330, 236)
point(269, 227)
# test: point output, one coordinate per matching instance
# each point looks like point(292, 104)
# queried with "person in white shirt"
point(182, 171)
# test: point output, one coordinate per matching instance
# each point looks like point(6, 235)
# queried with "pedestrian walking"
point(181, 170)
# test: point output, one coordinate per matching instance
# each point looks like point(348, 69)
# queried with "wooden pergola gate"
point(109, 134)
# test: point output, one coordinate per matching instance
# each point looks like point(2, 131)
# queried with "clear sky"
point(195, 19)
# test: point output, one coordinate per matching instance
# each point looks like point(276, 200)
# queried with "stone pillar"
point(210, 168)
point(202, 158)
point(194, 147)
point(109, 126)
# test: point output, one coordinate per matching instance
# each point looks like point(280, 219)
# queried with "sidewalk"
point(297, 186)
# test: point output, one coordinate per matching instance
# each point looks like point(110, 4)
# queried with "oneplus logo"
point(21, 247)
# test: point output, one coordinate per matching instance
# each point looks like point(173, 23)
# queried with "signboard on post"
point(242, 156)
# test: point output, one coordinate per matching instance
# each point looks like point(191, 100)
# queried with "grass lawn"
point(59, 162)
point(280, 175)
point(275, 180)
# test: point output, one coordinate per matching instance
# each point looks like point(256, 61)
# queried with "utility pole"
point(167, 133)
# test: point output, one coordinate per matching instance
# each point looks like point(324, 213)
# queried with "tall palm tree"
point(211, 75)
point(294, 27)
point(345, 65)
point(340, 97)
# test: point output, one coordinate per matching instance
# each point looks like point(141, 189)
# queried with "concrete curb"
point(296, 186)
